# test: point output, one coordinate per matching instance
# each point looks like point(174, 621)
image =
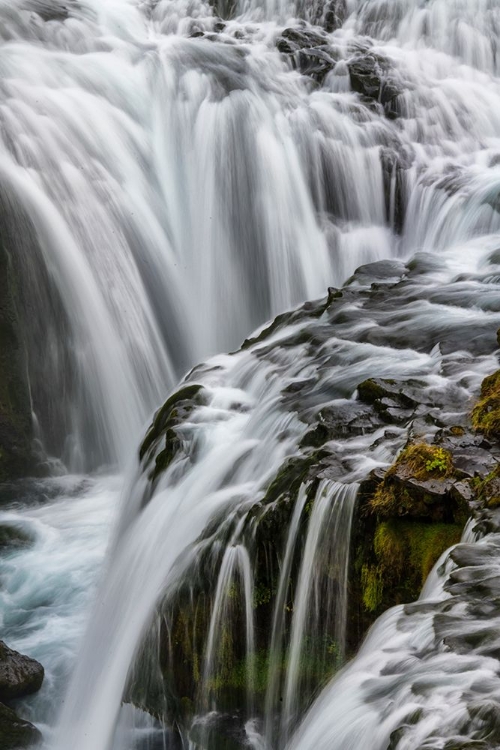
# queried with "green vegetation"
point(488, 489)
point(419, 461)
point(486, 413)
point(405, 553)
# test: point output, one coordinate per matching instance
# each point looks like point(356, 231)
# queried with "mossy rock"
point(408, 516)
point(405, 553)
point(486, 413)
point(176, 410)
point(488, 489)
point(420, 485)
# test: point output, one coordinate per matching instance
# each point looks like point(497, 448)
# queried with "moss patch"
point(405, 553)
point(424, 461)
point(486, 413)
point(488, 489)
point(421, 462)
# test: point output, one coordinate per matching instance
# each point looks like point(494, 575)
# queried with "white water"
point(181, 191)
point(331, 515)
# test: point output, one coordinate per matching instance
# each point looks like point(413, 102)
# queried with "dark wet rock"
point(16, 733)
point(16, 426)
point(373, 77)
point(334, 15)
point(19, 675)
point(310, 52)
point(293, 40)
point(11, 537)
point(51, 10)
point(341, 419)
point(395, 163)
point(389, 271)
point(165, 428)
point(219, 730)
point(316, 63)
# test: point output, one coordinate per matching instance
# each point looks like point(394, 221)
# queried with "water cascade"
point(173, 175)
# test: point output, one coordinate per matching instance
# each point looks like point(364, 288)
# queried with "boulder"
point(16, 733)
point(309, 50)
point(373, 77)
point(19, 675)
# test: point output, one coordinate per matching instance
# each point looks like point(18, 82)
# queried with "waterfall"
point(235, 558)
point(331, 501)
point(173, 175)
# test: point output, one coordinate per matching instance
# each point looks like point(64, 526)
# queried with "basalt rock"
point(334, 14)
point(19, 675)
point(16, 427)
point(373, 77)
point(16, 733)
point(309, 51)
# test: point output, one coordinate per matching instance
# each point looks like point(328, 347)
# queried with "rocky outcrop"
point(444, 469)
point(309, 51)
point(16, 426)
point(374, 78)
point(19, 676)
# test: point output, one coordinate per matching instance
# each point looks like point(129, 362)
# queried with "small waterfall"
point(330, 520)
point(278, 631)
point(235, 560)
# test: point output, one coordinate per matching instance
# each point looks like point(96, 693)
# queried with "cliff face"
point(16, 424)
point(419, 461)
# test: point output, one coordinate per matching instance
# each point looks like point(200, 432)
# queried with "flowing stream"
point(173, 174)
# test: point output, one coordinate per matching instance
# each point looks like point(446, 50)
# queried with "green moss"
point(424, 461)
point(370, 390)
point(486, 414)
point(405, 553)
point(418, 460)
point(372, 588)
point(261, 595)
point(488, 489)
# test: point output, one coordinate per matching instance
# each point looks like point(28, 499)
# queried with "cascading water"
point(170, 181)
